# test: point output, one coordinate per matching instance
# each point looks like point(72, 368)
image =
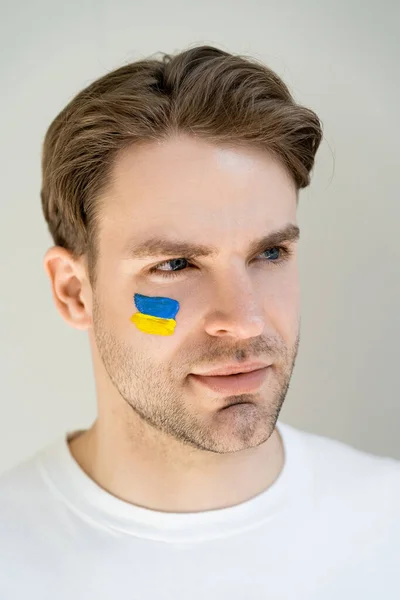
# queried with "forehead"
point(191, 183)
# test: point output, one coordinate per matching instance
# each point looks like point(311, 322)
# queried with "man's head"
point(207, 150)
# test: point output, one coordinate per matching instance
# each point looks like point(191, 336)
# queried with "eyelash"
point(286, 252)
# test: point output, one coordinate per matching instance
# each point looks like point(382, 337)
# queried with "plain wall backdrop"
point(339, 58)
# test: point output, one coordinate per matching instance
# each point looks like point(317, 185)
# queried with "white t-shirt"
point(327, 529)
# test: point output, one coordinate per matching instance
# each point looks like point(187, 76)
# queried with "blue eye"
point(284, 252)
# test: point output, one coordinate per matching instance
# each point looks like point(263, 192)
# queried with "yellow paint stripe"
point(155, 325)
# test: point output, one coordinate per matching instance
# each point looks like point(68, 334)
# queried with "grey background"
point(339, 58)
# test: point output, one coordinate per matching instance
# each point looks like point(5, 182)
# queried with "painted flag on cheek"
point(156, 314)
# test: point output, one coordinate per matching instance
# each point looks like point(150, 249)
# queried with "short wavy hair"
point(203, 91)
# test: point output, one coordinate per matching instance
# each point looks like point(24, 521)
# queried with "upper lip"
point(229, 369)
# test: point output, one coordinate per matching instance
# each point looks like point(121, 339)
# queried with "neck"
point(140, 466)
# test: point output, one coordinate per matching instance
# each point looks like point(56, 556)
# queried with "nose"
point(237, 308)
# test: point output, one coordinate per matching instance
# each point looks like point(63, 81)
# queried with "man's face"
point(234, 305)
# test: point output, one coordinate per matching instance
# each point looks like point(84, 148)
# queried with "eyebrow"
point(160, 246)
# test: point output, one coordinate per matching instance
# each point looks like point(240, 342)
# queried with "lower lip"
point(233, 384)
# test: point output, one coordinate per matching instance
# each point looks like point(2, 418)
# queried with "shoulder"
point(351, 475)
point(25, 499)
point(26, 473)
point(21, 485)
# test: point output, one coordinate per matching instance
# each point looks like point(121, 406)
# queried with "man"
point(170, 189)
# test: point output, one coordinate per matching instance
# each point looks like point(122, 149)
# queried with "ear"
point(72, 293)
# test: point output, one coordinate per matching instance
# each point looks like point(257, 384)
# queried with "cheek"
point(282, 308)
point(155, 314)
point(280, 299)
point(156, 326)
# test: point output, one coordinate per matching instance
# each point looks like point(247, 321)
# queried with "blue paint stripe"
point(157, 306)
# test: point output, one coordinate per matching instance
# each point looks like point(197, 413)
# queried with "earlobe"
point(67, 287)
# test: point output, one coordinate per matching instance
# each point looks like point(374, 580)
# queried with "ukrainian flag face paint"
point(156, 314)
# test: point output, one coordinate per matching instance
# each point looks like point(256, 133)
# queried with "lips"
point(233, 384)
point(234, 368)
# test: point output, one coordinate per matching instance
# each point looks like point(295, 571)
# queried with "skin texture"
point(160, 440)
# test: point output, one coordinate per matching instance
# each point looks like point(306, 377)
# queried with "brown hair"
point(204, 91)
